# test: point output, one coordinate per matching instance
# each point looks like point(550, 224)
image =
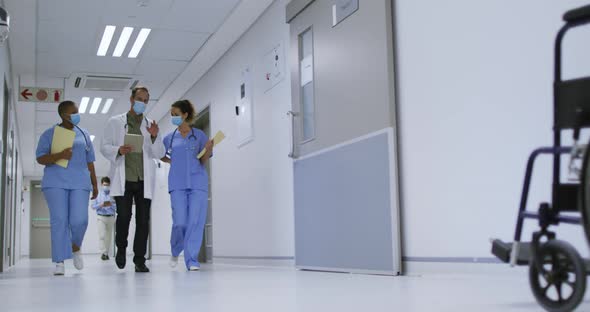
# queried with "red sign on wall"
point(47, 95)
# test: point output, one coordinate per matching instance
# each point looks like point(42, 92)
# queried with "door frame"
point(207, 236)
point(4, 144)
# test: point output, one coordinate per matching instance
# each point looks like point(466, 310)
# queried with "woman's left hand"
point(94, 192)
point(209, 145)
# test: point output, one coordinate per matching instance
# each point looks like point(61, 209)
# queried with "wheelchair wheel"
point(561, 283)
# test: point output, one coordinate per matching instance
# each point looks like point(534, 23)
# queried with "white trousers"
point(105, 233)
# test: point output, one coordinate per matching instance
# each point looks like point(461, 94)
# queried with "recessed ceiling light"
point(105, 42)
point(141, 38)
point(95, 105)
point(92, 138)
point(83, 105)
point(107, 106)
point(122, 43)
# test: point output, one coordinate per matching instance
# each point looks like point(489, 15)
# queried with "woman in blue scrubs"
point(188, 184)
point(67, 190)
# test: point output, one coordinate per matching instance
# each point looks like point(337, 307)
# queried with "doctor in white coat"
point(132, 174)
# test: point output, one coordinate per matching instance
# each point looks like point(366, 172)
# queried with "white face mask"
point(106, 188)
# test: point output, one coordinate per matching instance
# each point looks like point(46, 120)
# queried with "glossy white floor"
point(102, 287)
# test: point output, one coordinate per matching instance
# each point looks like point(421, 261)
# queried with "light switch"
point(274, 67)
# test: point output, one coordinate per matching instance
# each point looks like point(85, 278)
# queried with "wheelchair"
point(557, 272)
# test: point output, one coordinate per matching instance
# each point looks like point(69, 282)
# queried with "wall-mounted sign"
point(47, 95)
point(341, 9)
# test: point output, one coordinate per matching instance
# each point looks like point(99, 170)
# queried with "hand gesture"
point(107, 204)
point(153, 129)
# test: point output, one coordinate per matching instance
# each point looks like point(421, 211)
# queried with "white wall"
point(252, 185)
point(475, 97)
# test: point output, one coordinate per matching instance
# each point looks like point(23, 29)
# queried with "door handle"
point(292, 114)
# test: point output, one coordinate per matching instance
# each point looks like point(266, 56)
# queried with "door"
point(15, 206)
point(40, 226)
point(5, 212)
point(9, 203)
point(343, 139)
point(206, 254)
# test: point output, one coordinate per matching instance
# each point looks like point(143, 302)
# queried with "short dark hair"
point(61, 108)
point(105, 179)
point(186, 106)
point(134, 90)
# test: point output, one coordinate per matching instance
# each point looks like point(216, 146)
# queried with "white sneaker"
point(194, 268)
point(60, 269)
point(173, 261)
point(78, 262)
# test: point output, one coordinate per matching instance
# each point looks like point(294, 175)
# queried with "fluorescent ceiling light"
point(95, 105)
point(92, 138)
point(122, 43)
point(83, 105)
point(107, 106)
point(141, 38)
point(105, 42)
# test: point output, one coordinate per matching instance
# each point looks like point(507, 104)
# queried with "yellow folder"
point(62, 139)
point(219, 136)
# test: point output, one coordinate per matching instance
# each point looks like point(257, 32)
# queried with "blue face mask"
point(176, 120)
point(75, 119)
point(139, 107)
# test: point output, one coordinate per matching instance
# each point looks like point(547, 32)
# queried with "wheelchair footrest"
point(502, 251)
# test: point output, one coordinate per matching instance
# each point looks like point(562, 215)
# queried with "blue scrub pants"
point(68, 213)
point(189, 215)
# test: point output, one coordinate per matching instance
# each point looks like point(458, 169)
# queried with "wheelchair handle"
point(579, 15)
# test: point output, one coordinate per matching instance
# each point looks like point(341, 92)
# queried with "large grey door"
point(344, 130)
point(40, 227)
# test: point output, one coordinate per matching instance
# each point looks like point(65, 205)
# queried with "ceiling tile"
point(160, 70)
point(174, 45)
point(198, 16)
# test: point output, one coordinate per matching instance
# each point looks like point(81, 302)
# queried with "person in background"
point(105, 208)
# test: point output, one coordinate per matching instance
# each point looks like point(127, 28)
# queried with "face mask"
point(106, 189)
point(176, 120)
point(139, 107)
point(75, 119)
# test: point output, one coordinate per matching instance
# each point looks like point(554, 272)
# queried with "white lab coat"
point(113, 138)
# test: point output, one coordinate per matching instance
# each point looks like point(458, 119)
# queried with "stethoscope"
point(85, 138)
point(192, 136)
point(144, 118)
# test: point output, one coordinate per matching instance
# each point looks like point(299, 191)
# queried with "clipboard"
point(219, 136)
point(62, 139)
point(135, 141)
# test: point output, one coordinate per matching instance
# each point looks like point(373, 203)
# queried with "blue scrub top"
point(186, 170)
point(76, 176)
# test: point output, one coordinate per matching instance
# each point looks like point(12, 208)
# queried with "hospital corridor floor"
point(221, 287)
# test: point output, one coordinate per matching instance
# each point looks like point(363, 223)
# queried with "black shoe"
point(120, 258)
point(104, 257)
point(141, 268)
